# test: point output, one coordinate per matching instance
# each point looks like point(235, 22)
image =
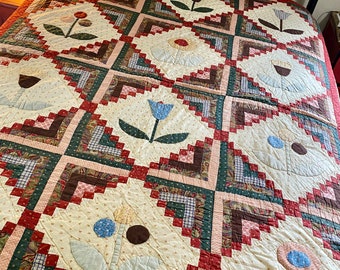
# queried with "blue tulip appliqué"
point(160, 111)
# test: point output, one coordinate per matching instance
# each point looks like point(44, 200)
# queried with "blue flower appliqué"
point(298, 259)
point(160, 110)
point(275, 142)
point(104, 227)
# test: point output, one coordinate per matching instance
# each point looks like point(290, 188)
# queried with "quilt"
point(167, 134)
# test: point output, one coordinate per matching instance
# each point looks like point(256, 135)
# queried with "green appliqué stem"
point(193, 5)
point(281, 29)
point(154, 131)
point(185, 7)
point(118, 245)
point(70, 29)
point(55, 30)
point(139, 134)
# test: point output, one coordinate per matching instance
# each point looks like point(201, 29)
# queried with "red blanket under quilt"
point(167, 134)
point(5, 11)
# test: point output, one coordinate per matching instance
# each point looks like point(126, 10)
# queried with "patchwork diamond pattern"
point(184, 9)
point(292, 167)
point(76, 183)
point(206, 130)
point(287, 87)
point(63, 32)
point(276, 22)
point(25, 101)
point(177, 48)
point(142, 150)
point(322, 220)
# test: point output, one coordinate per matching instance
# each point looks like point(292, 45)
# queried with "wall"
point(302, 2)
point(322, 9)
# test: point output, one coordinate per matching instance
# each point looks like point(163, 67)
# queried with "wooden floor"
point(6, 11)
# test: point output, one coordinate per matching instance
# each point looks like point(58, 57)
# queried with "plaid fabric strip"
point(331, 237)
point(133, 63)
point(24, 35)
point(310, 63)
point(81, 188)
point(251, 29)
point(120, 17)
point(190, 205)
point(39, 262)
point(26, 173)
point(205, 103)
point(159, 8)
point(188, 158)
point(46, 124)
point(326, 140)
point(84, 75)
point(94, 143)
point(218, 41)
point(240, 177)
point(128, 89)
point(249, 90)
point(205, 75)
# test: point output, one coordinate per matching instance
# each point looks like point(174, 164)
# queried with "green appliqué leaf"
point(82, 36)
point(268, 24)
point(293, 31)
point(180, 5)
point(172, 138)
point(87, 256)
point(132, 131)
point(203, 9)
point(54, 29)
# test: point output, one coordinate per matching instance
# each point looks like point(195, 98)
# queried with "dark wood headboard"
point(311, 5)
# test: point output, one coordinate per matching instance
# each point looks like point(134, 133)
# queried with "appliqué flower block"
point(19, 100)
point(79, 17)
point(160, 111)
point(283, 69)
point(89, 258)
point(282, 16)
point(185, 7)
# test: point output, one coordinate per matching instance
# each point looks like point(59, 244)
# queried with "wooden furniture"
point(7, 7)
point(311, 5)
point(331, 35)
point(5, 11)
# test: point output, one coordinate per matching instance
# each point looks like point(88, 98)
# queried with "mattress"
point(167, 134)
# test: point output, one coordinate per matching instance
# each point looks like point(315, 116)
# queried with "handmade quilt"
point(167, 134)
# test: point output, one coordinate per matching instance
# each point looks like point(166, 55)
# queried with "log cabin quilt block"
point(169, 135)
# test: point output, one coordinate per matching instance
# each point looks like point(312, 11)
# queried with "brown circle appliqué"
point(137, 234)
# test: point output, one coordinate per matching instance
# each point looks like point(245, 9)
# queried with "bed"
point(167, 134)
